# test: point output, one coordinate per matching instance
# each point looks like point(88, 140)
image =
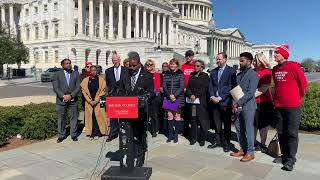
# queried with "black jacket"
point(198, 86)
point(114, 88)
point(173, 83)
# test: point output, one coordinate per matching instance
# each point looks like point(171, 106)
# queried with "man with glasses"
point(114, 76)
point(222, 80)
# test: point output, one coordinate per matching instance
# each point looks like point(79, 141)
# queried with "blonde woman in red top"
point(156, 101)
point(263, 95)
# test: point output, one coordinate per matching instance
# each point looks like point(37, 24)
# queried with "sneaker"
point(96, 138)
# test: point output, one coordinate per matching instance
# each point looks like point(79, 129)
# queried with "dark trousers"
point(62, 113)
point(196, 130)
point(222, 115)
point(113, 128)
point(288, 129)
point(155, 114)
point(132, 141)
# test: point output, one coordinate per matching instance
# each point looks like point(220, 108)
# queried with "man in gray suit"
point(66, 85)
point(245, 107)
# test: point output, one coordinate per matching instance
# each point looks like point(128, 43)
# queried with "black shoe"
point(202, 143)
point(257, 147)
point(264, 149)
point(287, 167)
point(59, 140)
point(168, 140)
point(110, 138)
point(154, 134)
point(74, 139)
point(226, 148)
point(175, 140)
point(192, 142)
point(214, 145)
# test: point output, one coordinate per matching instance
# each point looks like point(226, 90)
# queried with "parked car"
point(47, 75)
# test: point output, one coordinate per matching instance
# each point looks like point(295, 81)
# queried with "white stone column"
point(177, 32)
point(80, 18)
point(209, 13)
point(11, 19)
point(164, 29)
point(199, 13)
point(151, 25)
point(188, 14)
point(110, 30)
point(170, 29)
point(144, 29)
point(158, 26)
point(91, 19)
point(137, 25)
point(182, 12)
point(120, 21)
point(202, 12)
point(101, 19)
point(194, 11)
point(128, 21)
point(3, 15)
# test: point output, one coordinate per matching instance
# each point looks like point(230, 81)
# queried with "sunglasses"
point(149, 65)
point(88, 67)
point(197, 66)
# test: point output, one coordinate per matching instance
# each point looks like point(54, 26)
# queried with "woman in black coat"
point(197, 91)
point(173, 83)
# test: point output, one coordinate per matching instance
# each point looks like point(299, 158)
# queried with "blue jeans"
point(245, 130)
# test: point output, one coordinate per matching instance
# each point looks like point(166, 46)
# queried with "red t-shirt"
point(156, 81)
point(265, 77)
point(187, 69)
point(290, 84)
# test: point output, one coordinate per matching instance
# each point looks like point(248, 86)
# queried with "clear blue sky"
point(296, 22)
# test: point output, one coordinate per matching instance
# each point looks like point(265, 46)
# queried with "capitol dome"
point(195, 12)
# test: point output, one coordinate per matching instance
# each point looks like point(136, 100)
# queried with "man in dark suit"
point(246, 107)
point(222, 80)
point(114, 76)
point(139, 83)
point(66, 85)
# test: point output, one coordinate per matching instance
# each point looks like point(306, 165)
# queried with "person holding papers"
point(196, 92)
point(222, 80)
point(245, 107)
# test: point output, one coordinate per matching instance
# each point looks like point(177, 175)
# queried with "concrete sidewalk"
point(77, 160)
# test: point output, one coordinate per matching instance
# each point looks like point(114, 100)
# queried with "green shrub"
point(310, 120)
point(11, 120)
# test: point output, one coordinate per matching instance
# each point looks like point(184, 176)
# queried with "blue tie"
point(117, 74)
point(219, 74)
point(68, 78)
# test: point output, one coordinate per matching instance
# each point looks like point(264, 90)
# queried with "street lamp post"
point(212, 28)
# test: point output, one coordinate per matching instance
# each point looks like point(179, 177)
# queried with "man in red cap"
point(290, 85)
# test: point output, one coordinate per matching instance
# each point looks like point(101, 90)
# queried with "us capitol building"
point(89, 30)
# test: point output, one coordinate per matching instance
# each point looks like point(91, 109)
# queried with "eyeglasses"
point(88, 66)
point(149, 65)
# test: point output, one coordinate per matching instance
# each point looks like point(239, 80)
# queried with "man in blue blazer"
point(246, 107)
point(114, 76)
point(222, 80)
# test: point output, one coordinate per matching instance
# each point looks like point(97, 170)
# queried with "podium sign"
point(122, 107)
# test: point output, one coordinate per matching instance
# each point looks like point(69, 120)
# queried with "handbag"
point(168, 104)
point(274, 146)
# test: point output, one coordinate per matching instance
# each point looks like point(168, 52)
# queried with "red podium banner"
point(122, 107)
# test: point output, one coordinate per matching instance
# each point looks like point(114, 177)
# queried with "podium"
point(126, 109)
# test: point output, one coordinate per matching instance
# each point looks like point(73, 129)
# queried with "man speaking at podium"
point(139, 83)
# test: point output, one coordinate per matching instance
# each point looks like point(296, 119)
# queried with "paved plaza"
point(77, 160)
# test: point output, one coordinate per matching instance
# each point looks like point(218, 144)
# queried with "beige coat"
point(100, 113)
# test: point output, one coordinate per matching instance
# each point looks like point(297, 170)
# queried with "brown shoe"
point(247, 158)
point(237, 154)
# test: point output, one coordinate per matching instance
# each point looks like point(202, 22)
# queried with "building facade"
point(89, 30)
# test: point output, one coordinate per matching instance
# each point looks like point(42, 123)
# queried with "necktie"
point(133, 82)
point(68, 78)
point(219, 74)
point(117, 74)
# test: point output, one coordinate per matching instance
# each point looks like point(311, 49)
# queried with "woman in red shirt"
point(156, 101)
point(263, 95)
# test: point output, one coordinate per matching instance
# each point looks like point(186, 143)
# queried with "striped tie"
point(133, 82)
